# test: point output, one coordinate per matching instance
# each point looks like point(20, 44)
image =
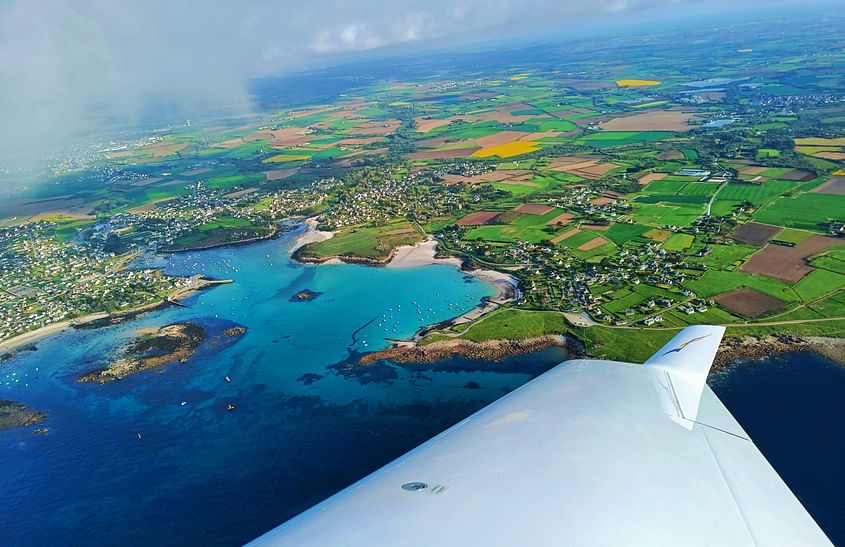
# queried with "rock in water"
point(14, 414)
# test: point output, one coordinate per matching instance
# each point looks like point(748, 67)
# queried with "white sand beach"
point(421, 254)
point(311, 235)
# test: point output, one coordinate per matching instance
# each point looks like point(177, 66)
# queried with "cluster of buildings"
point(387, 199)
point(45, 281)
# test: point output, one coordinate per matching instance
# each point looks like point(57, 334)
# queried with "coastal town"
point(641, 204)
point(249, 256)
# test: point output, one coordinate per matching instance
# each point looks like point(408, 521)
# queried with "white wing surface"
point(589, 453)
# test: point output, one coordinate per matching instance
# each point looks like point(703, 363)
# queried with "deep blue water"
point(793, 406)
point(305, 423)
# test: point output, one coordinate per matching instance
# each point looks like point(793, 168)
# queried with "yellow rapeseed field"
point(657, 235)
point(810, 150)
point(636, 83)
point(286, 157)
point(649, 105)
point(509, 149)
point(819, 141)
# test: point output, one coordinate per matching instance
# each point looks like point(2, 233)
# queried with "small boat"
point(231, 407)
point(228, 379)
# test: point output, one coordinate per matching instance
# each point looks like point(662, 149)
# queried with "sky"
point(65, 62)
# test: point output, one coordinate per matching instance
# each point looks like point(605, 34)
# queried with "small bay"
point(159, 458)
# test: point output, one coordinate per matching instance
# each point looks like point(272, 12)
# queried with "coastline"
point(423, 253)
point(310, 235)
point(735, 349)
point(491, 350)
point(274, 234)
point(109, 318)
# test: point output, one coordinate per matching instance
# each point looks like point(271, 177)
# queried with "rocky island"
point(14, 414)
point(169, 344)
point(491, 350)
point(305, 295)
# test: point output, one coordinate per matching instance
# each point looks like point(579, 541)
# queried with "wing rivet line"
point(414, 486)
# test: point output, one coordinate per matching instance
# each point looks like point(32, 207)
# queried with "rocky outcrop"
point(170, 344)
point(13, 414)
point(757, 347)
point(491, 350)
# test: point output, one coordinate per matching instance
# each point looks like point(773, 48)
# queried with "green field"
point(517, 324)
point(700, 188)
point(611, 139)
point(68, 229)
point(539, 184)
point(665, 187)
point(371, 242)
point(724, 256)
point(678, 242)
point(819, 283)
point(225, 222)
point(622, 233)
point(805, 211)
point(227, 183)
point(832, 306)
point(627, 345)
point(755, 193)
point(715, 282)
point(764, 153)
point(793, 236)
point(525, 227)
point(677, 214)
point(223, 231)
point(584, 236)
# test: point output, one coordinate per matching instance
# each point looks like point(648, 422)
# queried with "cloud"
point(67, 67)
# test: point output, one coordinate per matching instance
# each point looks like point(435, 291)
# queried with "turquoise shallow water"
point(305, 423)
point(302, 427)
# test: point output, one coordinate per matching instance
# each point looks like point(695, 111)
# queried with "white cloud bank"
point(64, 61)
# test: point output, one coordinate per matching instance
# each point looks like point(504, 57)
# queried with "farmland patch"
point(748, 302)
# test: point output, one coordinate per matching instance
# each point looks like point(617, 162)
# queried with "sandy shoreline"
point(32, 336)
point(423, 253)
point(311, 235)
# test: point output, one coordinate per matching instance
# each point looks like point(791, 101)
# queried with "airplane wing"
point(589, 453)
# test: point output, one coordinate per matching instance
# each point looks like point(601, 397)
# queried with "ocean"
point(792, 406)
point(157, 458)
